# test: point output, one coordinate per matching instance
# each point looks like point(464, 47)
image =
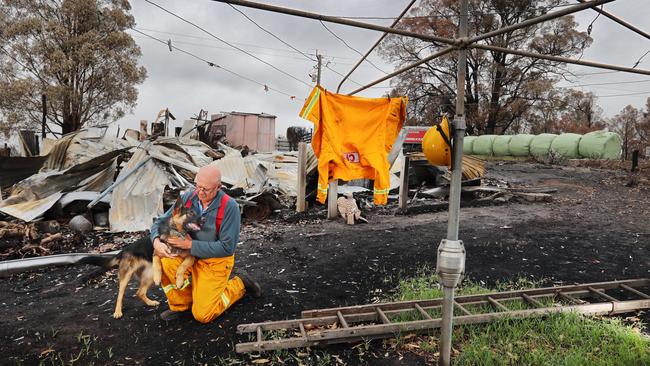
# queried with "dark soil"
point(596, 229)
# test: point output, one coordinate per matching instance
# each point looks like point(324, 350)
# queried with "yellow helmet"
point(436, 144)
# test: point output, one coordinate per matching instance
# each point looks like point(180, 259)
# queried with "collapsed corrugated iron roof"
point(86, 162)
point(31, 197)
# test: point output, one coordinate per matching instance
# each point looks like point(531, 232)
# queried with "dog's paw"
point(117, 314)
point(153, 303)
point(156, 279)
point(179, 282)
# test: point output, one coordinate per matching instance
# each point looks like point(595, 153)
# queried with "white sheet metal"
point(196, 150)
point(233, 170)
point(32, 209)
point(31, 197)
point(79, 147)
point(82, 196)
point(138, 199)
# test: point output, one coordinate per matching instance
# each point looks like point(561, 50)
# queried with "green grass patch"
point(556, 339)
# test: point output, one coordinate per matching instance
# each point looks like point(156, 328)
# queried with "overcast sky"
point(186, 85)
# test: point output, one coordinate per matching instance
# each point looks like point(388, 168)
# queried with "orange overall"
point(352, 138)
point(211, 290)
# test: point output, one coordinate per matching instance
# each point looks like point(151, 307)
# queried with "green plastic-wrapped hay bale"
point(566, 145)
point(600, 145)
point(500, 146)
point(483, 145)
point(520, 144)
point(468, 145)
point(541, 145)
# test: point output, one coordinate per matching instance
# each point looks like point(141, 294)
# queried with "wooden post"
point(301, 205)
point(404, 183)
point(332, 196)
point(44, 121)
point(143, 129)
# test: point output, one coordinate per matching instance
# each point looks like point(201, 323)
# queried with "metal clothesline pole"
point(560, 59)
point(450, 262)
point(338, 89)
point(444, 51)
point(432, 38)
point(620, 21)
point(497, 32)
point(332, 19)
point(540, 19)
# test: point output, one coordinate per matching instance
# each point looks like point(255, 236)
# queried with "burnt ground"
point(595, 229)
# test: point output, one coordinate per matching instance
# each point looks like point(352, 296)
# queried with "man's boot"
point(169, 315)
point(252, 286)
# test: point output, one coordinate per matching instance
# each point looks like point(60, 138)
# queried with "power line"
point(639, 60)
point(286, 43)
point(271, 33)
point(340, 74)
point(228, 43)
point(622, 95)
point(609, 83)
point(241, 43)
point(350, 47)
point(266, 54)
point(202, 45)
point(212, 64)
point(212, 40)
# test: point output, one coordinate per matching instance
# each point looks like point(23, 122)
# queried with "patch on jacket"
point(352, 157)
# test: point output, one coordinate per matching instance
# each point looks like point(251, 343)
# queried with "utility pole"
point(333, 188)
point(450, 264)
point(320, 64)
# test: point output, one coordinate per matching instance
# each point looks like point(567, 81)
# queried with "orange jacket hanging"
point(352, 138)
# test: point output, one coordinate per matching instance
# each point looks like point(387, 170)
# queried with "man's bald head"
point(209, 173)
point(208, 182)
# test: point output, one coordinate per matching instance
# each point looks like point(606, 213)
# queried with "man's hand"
point(181, 243)
point(161, 250)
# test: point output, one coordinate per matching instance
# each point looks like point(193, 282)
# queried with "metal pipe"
point(375, 45)
point(560, 59)
point(454, 192)
point(620, 21)
point(118, 181)
point(446, 326)
point(443, 51)
point(539, 19)
point(28, 264)
point(331, 19)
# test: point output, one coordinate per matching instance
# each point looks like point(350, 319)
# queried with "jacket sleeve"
point(227, 240)
point(155, 227)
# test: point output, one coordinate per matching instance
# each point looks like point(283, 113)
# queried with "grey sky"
point(186, 85)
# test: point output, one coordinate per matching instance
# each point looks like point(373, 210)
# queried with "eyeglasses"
point(207, 190)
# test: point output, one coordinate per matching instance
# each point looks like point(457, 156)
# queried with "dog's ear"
point(178, 205)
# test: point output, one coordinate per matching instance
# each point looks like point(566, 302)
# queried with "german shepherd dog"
point(180, 223)
point(138, 259)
